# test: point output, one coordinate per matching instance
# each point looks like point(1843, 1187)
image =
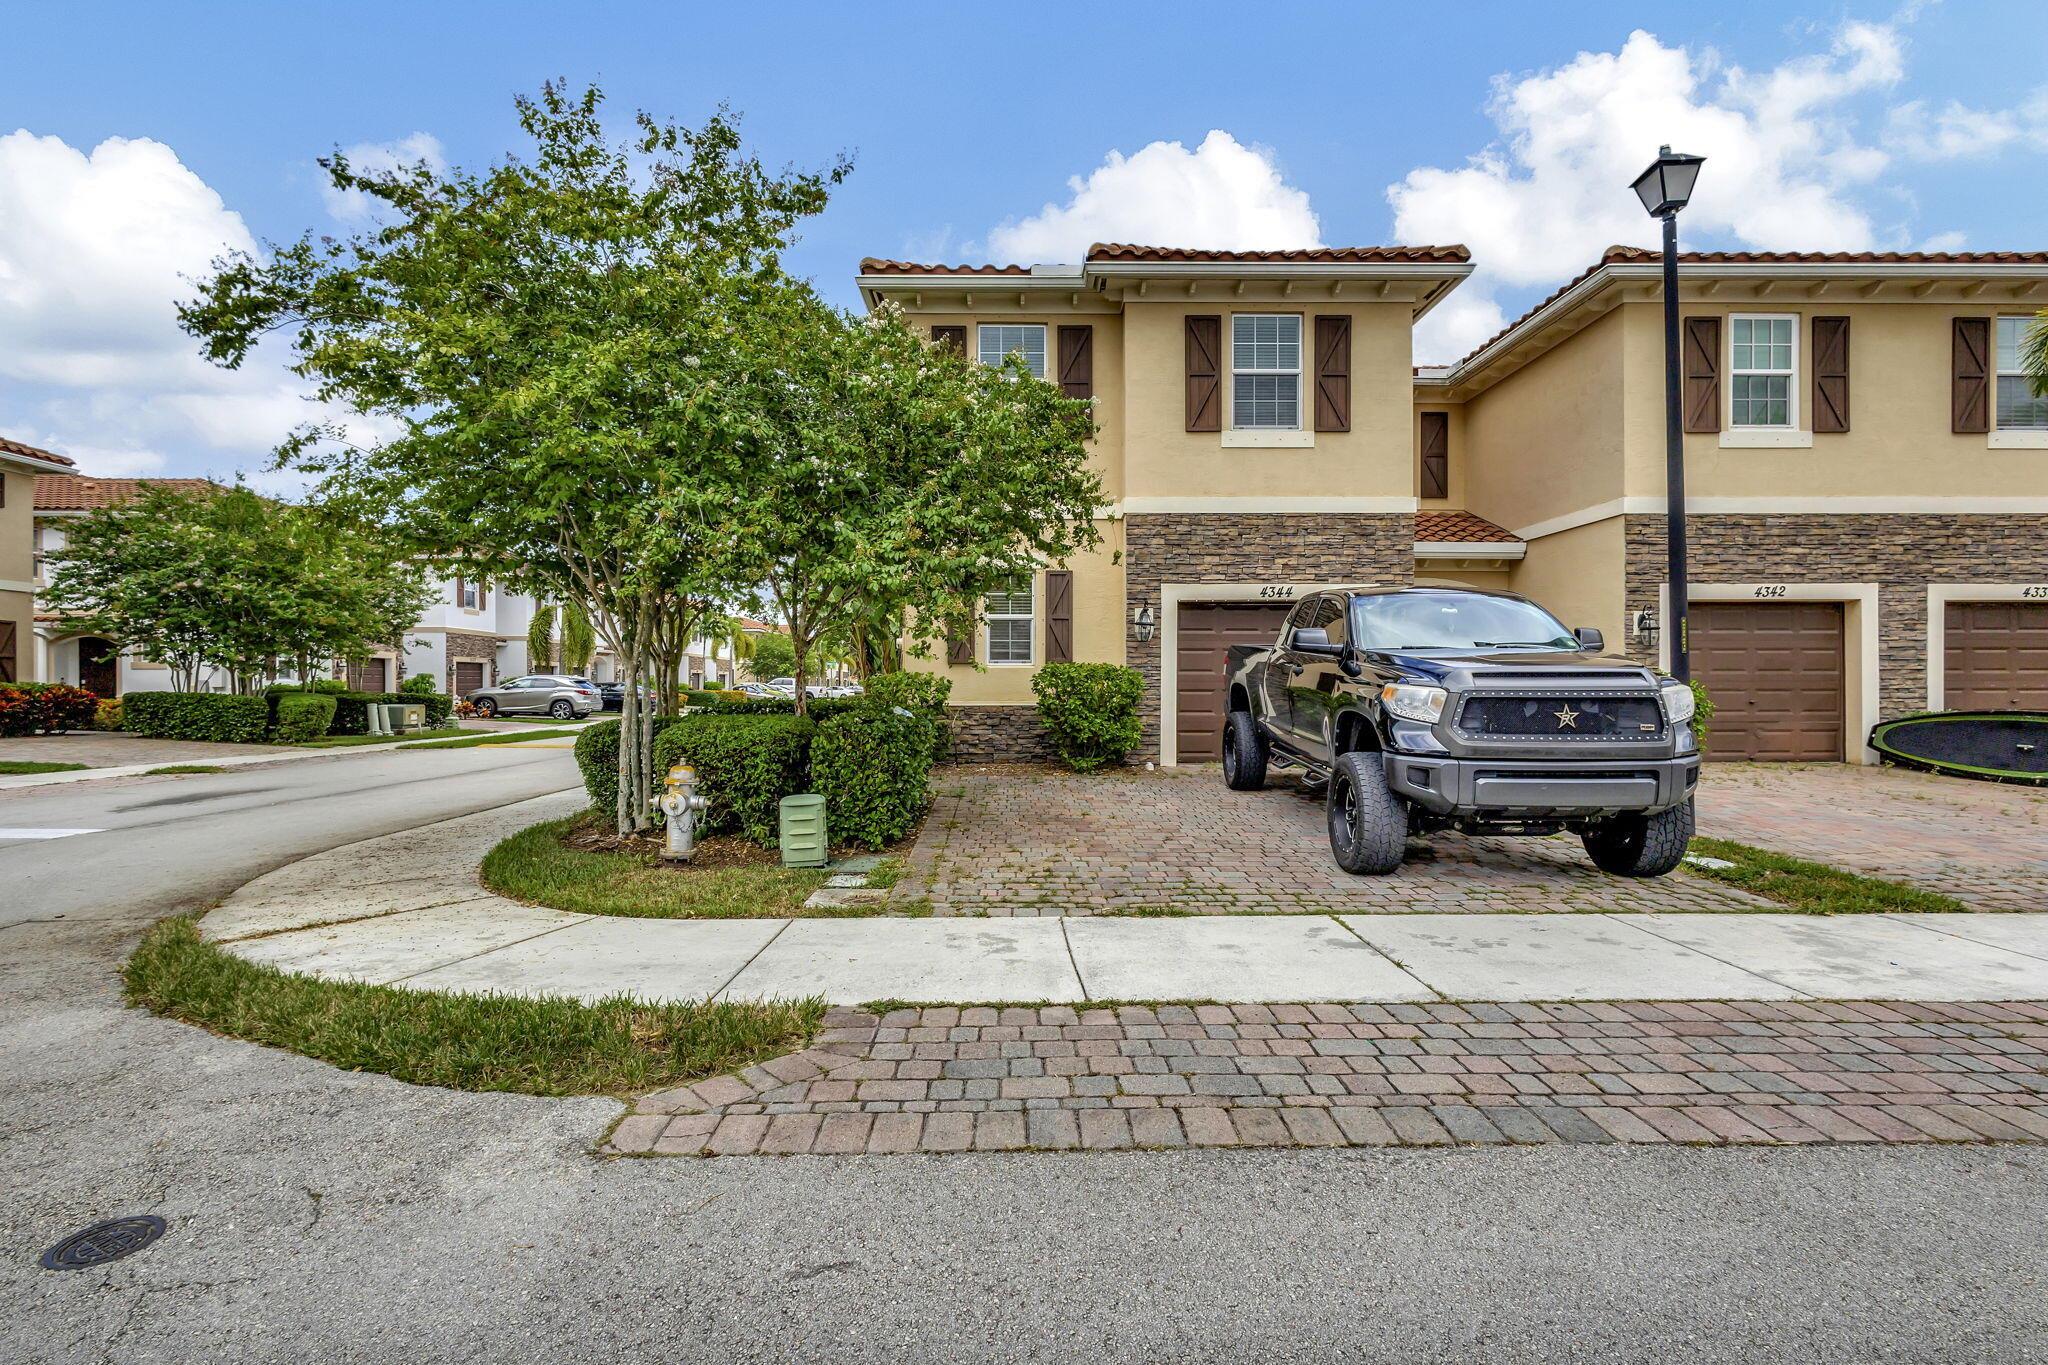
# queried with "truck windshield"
point(1454, 620)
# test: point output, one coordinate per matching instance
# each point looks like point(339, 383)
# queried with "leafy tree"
point(233, 581)
point(773, 656)
point(558, 340)
point(540, 639)
point(895, 481)
point(579, 642)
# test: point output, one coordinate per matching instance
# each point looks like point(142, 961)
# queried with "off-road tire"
point(562, 710)
point(1641, 846)
point(1368, 823)
point(1244, 753)
point(487, 708)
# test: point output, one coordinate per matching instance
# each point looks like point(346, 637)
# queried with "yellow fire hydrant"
point(682, 805)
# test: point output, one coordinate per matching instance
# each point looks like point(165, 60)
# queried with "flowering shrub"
point(44, 708)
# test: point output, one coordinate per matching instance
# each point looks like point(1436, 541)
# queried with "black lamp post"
point(1664, 189)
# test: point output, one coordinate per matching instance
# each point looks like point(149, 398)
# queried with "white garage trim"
point(1939, 595)
point(1860, 709)
point(1172, 596)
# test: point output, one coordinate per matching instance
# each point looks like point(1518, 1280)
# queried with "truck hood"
point(1541, 668)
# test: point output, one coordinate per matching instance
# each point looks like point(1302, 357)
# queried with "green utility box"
point(803, 831)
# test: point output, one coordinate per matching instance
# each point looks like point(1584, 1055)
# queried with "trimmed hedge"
point(597, 755)
point(871, 767)
point(740, 704)
point(296, 717)
point(1090, 712)
point(418, 685)
point(921, 694)
point(218, 716)
point(712, 696)
point(745, 765)
point(107, 716)
point(29, 708)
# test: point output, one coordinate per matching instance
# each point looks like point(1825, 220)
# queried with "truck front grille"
point(1575, 716)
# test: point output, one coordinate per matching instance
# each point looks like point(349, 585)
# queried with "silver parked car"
point(537, 694)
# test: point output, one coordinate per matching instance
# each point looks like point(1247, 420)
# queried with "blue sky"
point(978, 131)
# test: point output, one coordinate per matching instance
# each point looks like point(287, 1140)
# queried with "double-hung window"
point(1008, 613)
point(2017, 407)
point(1265, 371)
point(997, 340)
point(1763, 371)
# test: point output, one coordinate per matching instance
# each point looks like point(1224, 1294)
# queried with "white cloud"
point(353, 205)
point(1953, 131)
point(96, 251)
point(104, 462)
point(1222, 196)
point(1945, 241)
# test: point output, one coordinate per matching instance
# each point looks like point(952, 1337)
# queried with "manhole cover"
point(103, 1242)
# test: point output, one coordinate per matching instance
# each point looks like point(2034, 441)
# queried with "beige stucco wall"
point(1547, 440)
point(1578, 576)
point(1099, 634)
point(1898, 443)
point(17, 566)
point(1375, 459)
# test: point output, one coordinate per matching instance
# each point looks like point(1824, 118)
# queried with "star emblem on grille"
point(1567, 719)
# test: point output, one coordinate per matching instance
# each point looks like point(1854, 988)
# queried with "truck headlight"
point(1678, 702)
point(1410, 701)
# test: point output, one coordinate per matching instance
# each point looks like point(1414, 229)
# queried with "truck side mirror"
point(1312, 640)
point(1590, 639)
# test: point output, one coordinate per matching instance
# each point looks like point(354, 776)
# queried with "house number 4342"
point(1771, 590)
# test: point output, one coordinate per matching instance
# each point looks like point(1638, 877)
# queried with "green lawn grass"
point(1814, 888)
point(617, 1046)
point(354, 741)
point(177, 768)
point(506, 737)
point(22, 768)
point(535, 865)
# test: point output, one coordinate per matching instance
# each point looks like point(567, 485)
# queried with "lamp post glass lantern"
point(1664, 189)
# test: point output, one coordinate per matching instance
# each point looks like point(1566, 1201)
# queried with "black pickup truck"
point(1448, 708)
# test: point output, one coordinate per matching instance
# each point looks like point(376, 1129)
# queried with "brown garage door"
point(1996, 656)
point(468, 677)
point(366, 675)
point(1201, 689)
point(1774, 670)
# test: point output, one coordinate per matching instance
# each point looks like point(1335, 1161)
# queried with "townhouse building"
point(20, 647)
point(1867, 493)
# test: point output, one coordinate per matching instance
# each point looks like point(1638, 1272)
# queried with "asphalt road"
point(317, 1215)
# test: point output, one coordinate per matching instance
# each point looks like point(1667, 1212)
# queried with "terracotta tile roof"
point(1642, 255)
point(874, 265)
point(29, 452)
point(79, 493)
point(1459, 527)
point(1346, 255)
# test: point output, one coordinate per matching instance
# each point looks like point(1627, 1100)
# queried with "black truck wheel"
point(1639, 845)
point(1368, 824)
point(1244, 753)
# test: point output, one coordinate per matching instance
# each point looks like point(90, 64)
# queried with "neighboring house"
point(90, 661)
point(20, 645)
point(1867, 478)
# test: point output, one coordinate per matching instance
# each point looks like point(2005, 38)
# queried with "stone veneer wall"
point(1902, 554)
point(1214, 547)
point(471, 647)
point(996, 734)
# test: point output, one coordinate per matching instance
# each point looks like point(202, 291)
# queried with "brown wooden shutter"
point(1077, 361)
point(952, 338)
point(1702, 348)
point(1204, 373)
point(1830, 374)
point(1333, 374)
point(959, 642)
point(8, 670)
point(1970, 390)
point(1059, 616)
point(1436, 454)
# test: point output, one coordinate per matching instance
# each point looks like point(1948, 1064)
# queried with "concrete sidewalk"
point(407, 910)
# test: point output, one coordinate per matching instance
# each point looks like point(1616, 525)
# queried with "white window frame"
point(1029, 616)
point(1791, 375)
point(1279, 435)
point(1044, 346)
point(2035, 438)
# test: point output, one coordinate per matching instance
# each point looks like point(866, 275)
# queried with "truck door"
point(1313, 679)
point(1274, 675)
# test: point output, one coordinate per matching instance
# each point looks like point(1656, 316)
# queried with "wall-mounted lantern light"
point(1143, 623)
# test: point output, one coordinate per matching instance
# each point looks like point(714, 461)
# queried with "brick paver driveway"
point(1032, 841)
point(1984, 843)
point(989, 1079)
